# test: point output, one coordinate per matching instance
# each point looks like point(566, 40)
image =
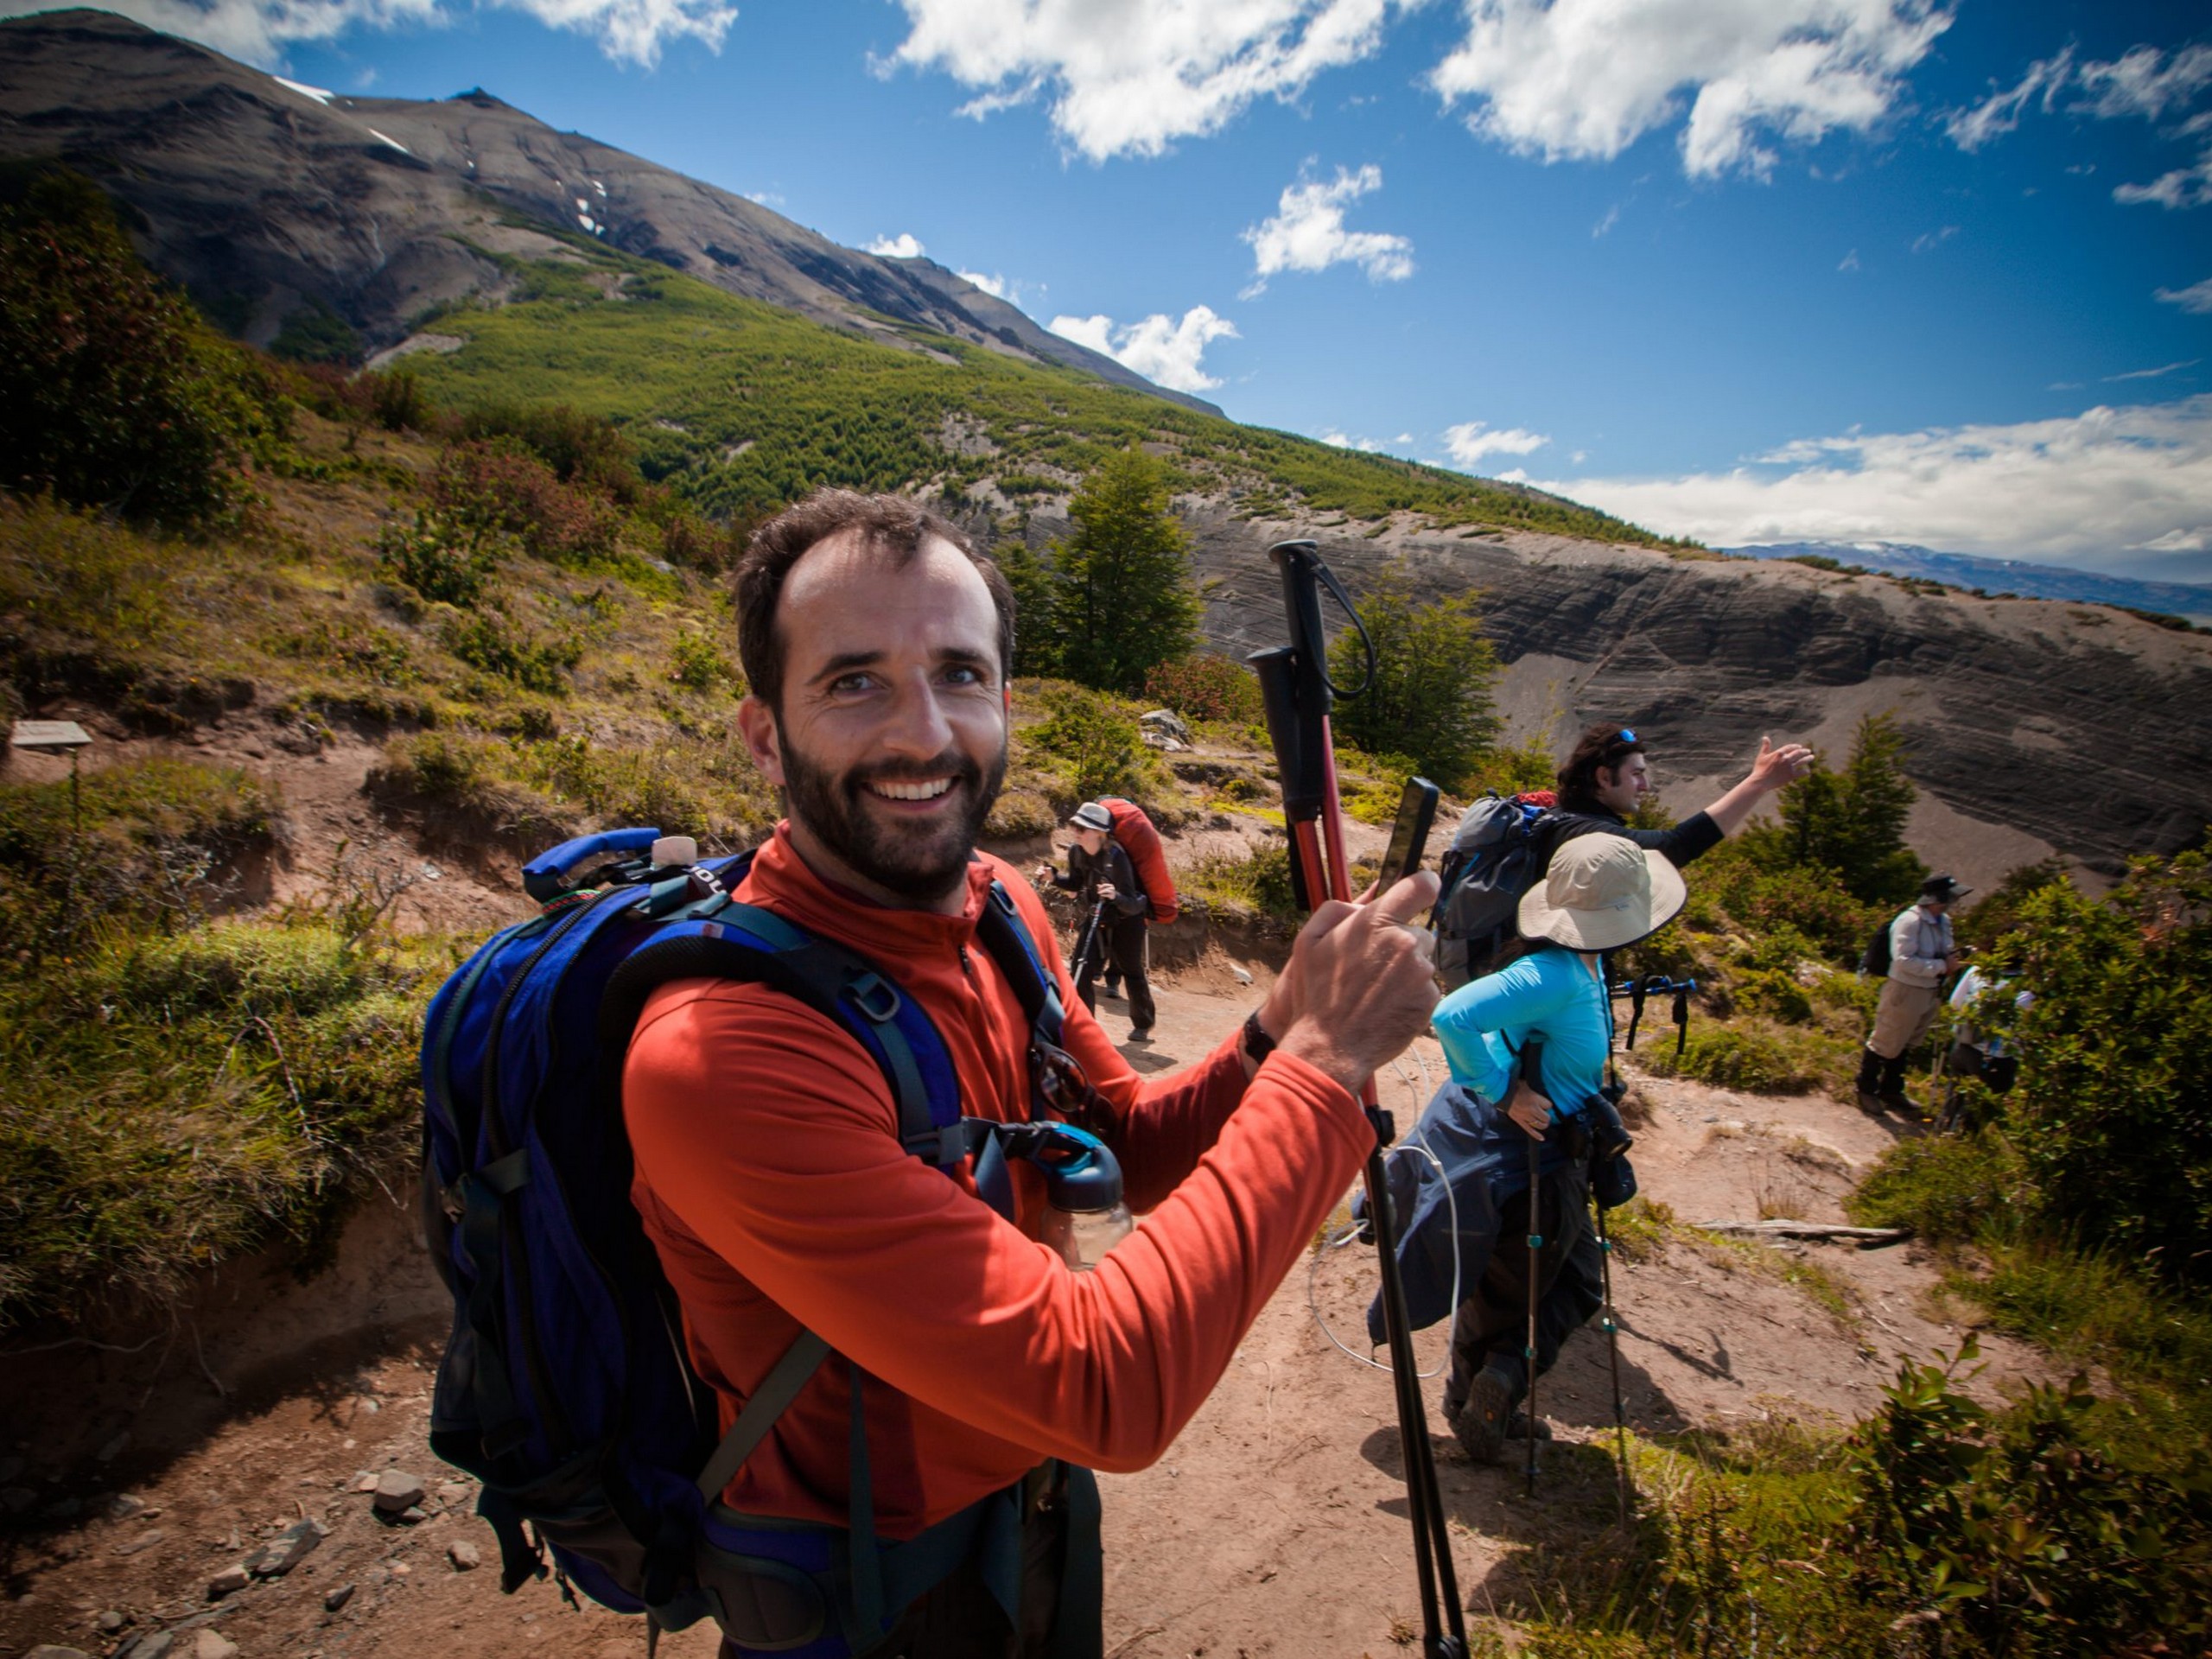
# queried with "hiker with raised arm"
point(1607, 774)
point(1504, 844)
point(1527, 1045)
point(964, 1373)
point(1113, 905)
point(1914, 955)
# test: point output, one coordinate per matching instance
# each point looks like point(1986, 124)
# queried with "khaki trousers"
point(1903, 1017)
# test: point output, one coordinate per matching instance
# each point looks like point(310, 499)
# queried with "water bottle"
point(1084, 1217)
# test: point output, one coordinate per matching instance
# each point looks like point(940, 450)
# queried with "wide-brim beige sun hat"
point(1601, 892)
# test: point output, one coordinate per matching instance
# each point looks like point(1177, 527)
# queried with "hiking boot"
point(1484, 1422)
point(1870, 1102)
point(1110, 988)
point(1516, 1427)
point(1141, 1035)
point(1897, 1101)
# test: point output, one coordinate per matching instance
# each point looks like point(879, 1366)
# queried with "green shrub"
point(1943, 1187)
point(584, 450)
point(2112, 1113)
point(441, 558)
point(500, 488)
point(487, 640)
point(1258, 885)
point(67, 577)
point(2027, 1532)
point(696, 662)
point(1754, 1055)
point(1093, 744)
point(113, 393)
point(153, 832)
point(1204, 687)
point(175, 1101)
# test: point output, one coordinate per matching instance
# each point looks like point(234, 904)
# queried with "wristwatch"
point(1257, 1044)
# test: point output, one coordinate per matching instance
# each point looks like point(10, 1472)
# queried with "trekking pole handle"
point(543, 877)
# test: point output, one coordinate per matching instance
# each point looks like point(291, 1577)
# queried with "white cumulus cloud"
point(2106, 488)
point(1130, 77)
point(905, 245)
point(1338, 440)
point(1470, 440)
point(1308, 233)
point(997, 287)
point(257, 31)
point(2196, 298)
point(1164, 351)
point(1583, 79)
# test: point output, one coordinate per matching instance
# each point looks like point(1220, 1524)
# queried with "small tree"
point(1435, 675)
point(1853, 822)
point(1036, 626)
point(1122, 595)
point(112, 393)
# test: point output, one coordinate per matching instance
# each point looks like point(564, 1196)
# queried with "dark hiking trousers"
point(1491, 1326)
point(1124, 938)
point(961, 1619)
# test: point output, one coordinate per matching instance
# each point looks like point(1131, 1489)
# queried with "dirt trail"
point(1275, 1525)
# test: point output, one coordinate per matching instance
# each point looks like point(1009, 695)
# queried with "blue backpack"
point(565, 1389)
point(1492, 861)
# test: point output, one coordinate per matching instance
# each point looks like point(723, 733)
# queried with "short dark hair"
point(890, 523)
point(1604, 746)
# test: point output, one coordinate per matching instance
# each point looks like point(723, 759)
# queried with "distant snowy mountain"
point(2015, 576)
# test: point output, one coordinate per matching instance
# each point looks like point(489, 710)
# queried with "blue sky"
point(1750, 269)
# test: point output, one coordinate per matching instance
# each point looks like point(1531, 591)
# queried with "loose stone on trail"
point(145, 1540)
point(287, 1549)
point(464, 1556)
point(338, 1597)
point(397, 1489)
point(229, 1581)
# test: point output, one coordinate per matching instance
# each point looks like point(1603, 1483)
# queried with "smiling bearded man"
point(982, 1372)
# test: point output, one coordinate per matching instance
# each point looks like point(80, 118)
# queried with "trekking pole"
point(1086, 942)
point(1613, 1354)
point(1529, 1353)
point(1295, 686)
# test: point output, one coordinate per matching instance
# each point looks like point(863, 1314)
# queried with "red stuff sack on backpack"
point(1141, 841)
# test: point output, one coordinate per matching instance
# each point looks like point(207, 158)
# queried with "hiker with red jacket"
point(1606, 776)
point(1101, 873)
point(966, 1359)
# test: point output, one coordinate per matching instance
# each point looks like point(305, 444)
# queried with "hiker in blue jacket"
point(1602, 892)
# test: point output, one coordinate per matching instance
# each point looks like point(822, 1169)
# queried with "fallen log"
point(1862, 1236)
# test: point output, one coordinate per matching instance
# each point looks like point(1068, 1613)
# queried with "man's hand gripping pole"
point(1298, 694)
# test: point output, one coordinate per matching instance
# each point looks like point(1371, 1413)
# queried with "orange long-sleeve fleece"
point(770, 1179)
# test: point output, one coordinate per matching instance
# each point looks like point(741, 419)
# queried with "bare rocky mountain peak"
point(265, 197)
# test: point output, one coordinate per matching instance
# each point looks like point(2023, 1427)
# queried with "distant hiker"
point(1921, 954)
point(972, 1378)
point(1503, 844)
point(1101, 873)
point(1981, 1049)
point(1601, 892)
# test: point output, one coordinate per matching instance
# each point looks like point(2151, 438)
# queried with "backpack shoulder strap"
point(1006, 937)
point(743, 942)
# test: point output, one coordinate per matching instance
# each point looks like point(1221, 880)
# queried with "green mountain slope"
point(742, 406)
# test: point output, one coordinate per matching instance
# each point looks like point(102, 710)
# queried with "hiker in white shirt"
point(1922, 953)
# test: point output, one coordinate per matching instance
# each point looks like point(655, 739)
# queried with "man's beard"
point(920, 865)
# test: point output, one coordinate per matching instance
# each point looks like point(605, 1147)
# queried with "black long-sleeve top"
point(1085, 872)
point(1691, 838)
